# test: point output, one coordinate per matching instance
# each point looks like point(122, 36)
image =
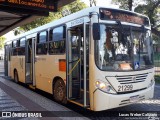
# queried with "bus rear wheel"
point(59, 91)
point(16, 79)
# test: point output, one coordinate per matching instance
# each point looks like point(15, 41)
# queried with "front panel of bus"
point(123, 71)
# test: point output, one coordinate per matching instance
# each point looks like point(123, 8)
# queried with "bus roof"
point(79, 14)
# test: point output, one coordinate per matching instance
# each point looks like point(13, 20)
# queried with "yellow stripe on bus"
point(74, 67)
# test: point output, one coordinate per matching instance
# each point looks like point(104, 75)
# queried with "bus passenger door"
point(74, 60)
point(76, 65)
point(29, 61)
point(7, 60)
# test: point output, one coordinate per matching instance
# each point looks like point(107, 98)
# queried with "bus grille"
point(128, 79)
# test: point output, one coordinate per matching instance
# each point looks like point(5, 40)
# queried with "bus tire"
point(16, 79)
point(59, 91)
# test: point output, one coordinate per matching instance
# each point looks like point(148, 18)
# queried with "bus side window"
point(14, 48)
point(42, 43)
point(22, 46)
point(57, 40)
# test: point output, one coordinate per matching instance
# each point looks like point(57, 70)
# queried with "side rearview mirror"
point(96, 31)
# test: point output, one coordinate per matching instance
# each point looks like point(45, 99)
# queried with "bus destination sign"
point(40, 5)
point(124, 16)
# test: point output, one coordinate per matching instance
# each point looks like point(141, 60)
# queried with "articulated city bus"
point(99, 58)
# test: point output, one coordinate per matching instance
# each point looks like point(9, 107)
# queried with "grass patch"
point(157, 79)
point(157, 63)
point(156, 56)
point(156, 59)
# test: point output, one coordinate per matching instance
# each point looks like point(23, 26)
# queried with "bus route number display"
point(123, 16)
point(42, 5)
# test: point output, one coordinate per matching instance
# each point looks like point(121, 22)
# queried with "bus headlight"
point(151, 83)
point(105, 87)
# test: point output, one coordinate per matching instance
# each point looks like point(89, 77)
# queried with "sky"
point(106, 3)
point(9, 35)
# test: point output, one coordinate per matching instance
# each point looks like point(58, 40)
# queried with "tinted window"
point(15, 49)
point(42, 37)
point(41, 43)
point(57, 40)
point(14, 43)
point(57, 47)
point(21, 51)
point(18, 43)
point(57, 34)
point(22, 42)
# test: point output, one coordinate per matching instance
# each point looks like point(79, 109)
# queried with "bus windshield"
point(123, 48)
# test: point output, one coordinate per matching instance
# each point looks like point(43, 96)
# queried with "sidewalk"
point(14, 97)
point(9, 104)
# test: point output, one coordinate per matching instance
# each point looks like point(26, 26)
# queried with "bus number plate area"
point(124, 88)
point(134, 99)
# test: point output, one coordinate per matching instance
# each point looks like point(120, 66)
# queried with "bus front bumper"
point(104, 101)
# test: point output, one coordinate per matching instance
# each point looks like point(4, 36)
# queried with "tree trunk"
point(130, 4)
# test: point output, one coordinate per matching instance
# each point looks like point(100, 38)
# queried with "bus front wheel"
point(16, 76)
point(59, 91)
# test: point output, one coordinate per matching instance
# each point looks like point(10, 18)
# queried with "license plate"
point(134, 99)
point(124, 88)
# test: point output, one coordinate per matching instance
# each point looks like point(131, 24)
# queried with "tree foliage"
point(73, 7)
point(2, 39)
point(147, 7)
point(126, 4)
point(151, 8)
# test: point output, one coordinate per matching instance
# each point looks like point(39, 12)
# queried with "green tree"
point(151, 8)
point(75, 6)
point(72, 7)
point(18, 30)
point(36, 23)
point(126, 4)
point(2, 39)
point(147, 7)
